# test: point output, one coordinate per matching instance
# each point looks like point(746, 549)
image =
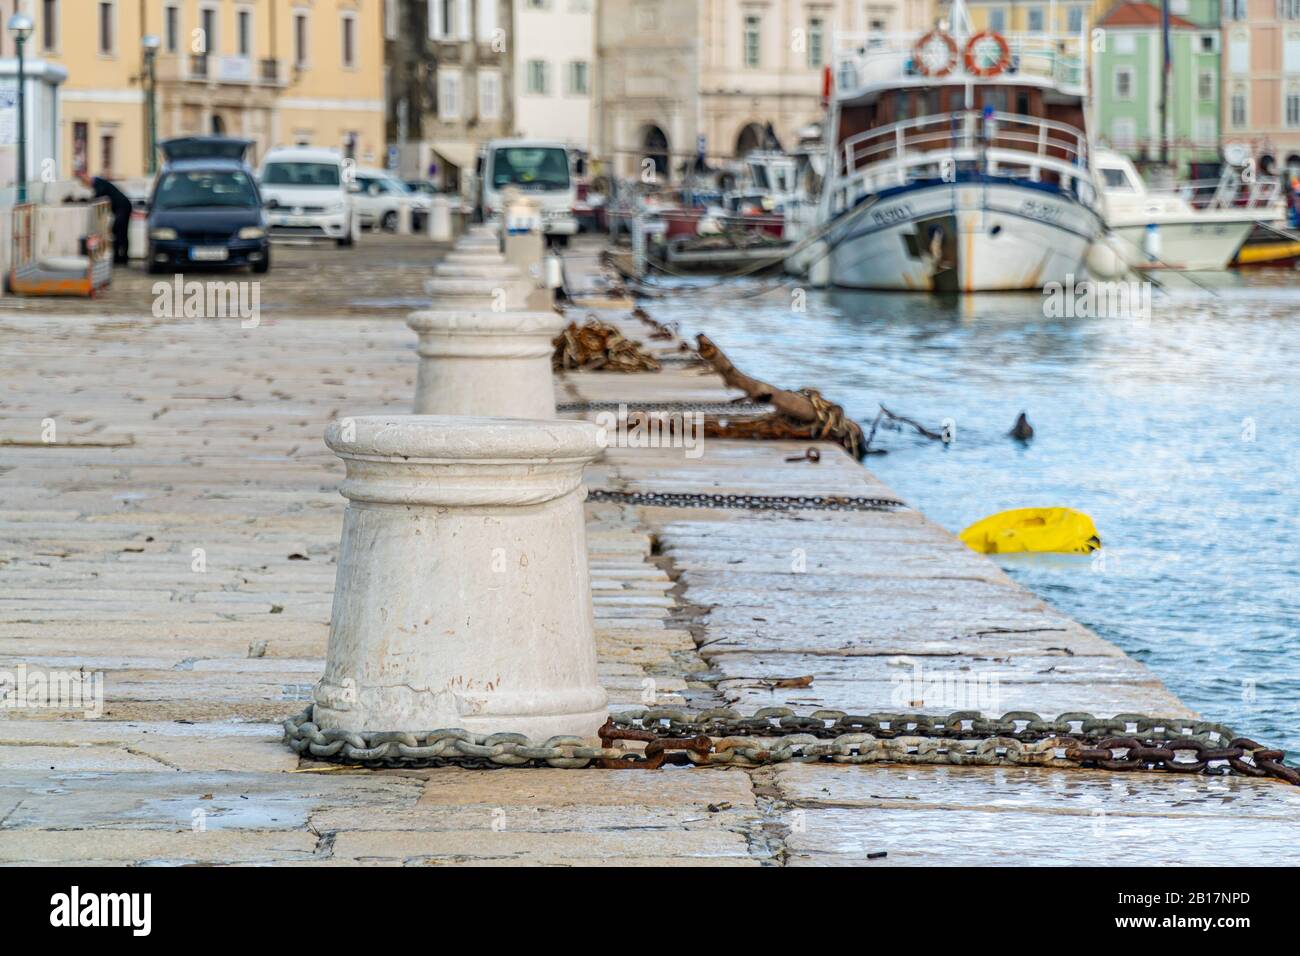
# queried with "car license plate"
point(209, 253)
point(297, 221)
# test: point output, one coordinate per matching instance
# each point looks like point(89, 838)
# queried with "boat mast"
point(1165, 67)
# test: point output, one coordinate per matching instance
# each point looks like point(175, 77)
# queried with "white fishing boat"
point(958, 160)
point(1191, 225)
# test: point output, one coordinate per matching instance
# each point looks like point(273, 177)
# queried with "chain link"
point(680, 499)
point(723, 737)
point(708, 408)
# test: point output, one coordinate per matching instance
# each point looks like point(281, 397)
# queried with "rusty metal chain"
point(723, 737)
point(708, 408)
point(685, 499)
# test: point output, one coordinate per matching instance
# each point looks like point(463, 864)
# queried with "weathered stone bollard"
point(471, 292)
point(462, 596)
point(485, 363)
point(438, 226)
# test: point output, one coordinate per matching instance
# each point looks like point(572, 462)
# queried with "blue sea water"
point(1179, 435)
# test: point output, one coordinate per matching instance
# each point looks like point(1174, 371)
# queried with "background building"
point(554, 53)
point(1261, 87)
point(273, 71)
point(1127, 74)
point(675, 75)
point(449, 82)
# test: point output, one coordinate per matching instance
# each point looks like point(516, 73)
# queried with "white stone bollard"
point(404, 214)
point(439, 221)
point(486, 364)
point(487, 294)
point(462, 597)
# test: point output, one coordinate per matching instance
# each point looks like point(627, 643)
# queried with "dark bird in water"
point(1022, 430)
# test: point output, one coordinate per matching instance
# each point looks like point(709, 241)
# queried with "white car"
point(306, 194)
point(377, 196)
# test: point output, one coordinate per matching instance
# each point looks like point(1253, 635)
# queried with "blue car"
point(206, 209)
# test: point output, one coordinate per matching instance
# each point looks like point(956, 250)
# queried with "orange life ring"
point(918, 59)
point(1004, 54)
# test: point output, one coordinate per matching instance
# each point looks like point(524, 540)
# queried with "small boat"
point(1268, 247)
point(1193, 225)
point(1061, 530)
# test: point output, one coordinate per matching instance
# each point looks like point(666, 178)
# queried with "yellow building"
point(1035, 16)
point(276, 72)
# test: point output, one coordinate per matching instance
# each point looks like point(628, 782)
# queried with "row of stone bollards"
point(463, 597)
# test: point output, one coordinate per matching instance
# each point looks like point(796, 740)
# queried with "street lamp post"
point(150, 43)
point(20, 25)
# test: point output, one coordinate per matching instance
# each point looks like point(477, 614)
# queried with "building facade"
point(554, 53)
point(1127, 90)
point(449, 82)
point(272, 71)
point(677, 77)
point(1261, 79)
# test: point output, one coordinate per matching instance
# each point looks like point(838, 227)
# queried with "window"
point(1126, 43)
point(1239, 53)
point(1209, 43)
point(487, 20)
point(1234, 9)
point(348, 22)
point(1238, 110)
point(1037, 19)
point(1124, 132)
point(753, 40)
point(579, 82)
point(1207, 134)
point(998, 20)
point(171, 29)
point(1205, 84)
point(390, 19)
point(50, 25)
point(106, 30)
point(1074, 21)
point(449, 96)
point(209, 20)
point(1293, 110)
point(1124, 83)
point(300, 40)
point(1116, 179)
point(489, 95)
point(107, 154)
point(539, 80)
point(244, 32)
point(816, 42)
point(442, 19)
point(1179, 7)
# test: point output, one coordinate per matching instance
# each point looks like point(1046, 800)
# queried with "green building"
point(1126, 79)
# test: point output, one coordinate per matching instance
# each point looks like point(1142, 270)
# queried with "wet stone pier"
point(179, 535)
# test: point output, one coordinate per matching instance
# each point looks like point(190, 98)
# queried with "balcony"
point(199, 66)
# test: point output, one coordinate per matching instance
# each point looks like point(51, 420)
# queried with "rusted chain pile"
point(722, 737)
point(598, 346)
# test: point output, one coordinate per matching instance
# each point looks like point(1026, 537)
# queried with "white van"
point(539, 168)
point(306, 192)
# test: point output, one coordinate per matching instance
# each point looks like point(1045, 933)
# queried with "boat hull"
point(964, 237)
point(1194, 245)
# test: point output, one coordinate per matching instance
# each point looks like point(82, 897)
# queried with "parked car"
point(378, 196)
point(307, 195)
point(205, 207)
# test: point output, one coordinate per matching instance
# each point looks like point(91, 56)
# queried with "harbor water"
point(1178, 433)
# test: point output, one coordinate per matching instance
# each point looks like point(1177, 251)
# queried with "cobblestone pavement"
point(178, 535)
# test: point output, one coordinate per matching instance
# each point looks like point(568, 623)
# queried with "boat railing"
point(1231, 191)
point(871, 59)
point(949, 146)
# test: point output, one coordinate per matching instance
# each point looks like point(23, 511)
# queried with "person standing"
point(121, 206)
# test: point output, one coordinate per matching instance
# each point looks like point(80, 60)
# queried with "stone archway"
point(750, 138)
point(655, 147)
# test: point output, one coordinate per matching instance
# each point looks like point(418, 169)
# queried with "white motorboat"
point(1193, 225)
point(958, 161)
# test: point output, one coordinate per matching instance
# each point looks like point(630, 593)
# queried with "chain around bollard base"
point(723, 738)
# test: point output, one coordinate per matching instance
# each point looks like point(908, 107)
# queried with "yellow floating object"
point(1033, 529)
